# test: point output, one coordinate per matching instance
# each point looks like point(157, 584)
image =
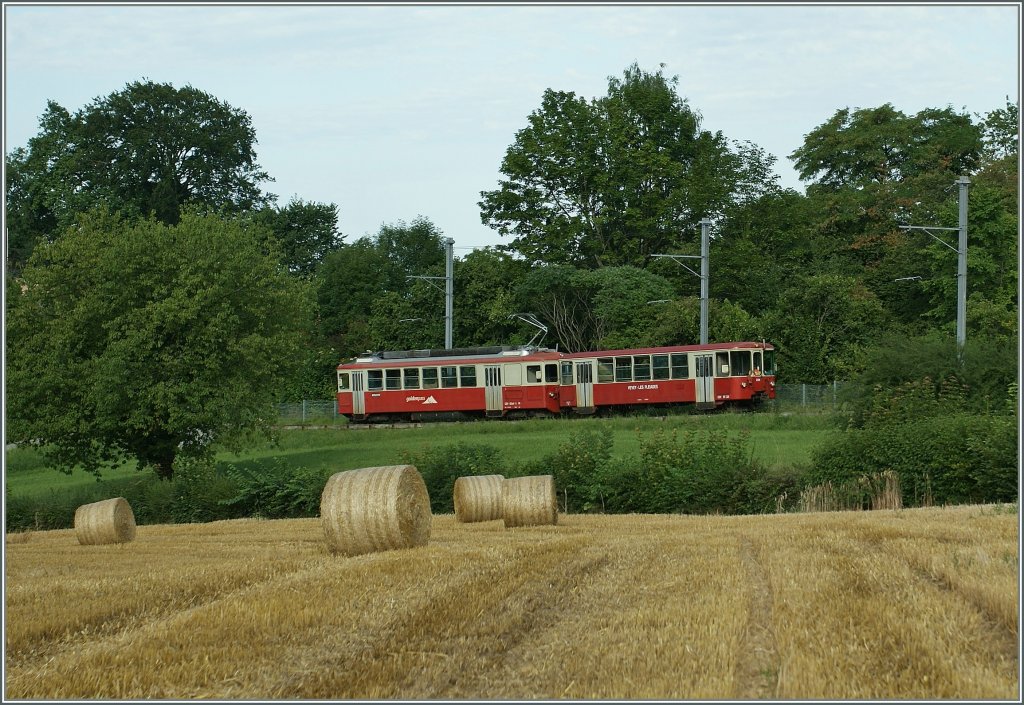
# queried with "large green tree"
point(148, 149)
point(611, 181)
point(144, 340)
point(306, 232)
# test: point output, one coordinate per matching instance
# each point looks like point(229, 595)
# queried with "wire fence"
point(804, 398)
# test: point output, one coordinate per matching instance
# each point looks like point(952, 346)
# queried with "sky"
point(392, 112)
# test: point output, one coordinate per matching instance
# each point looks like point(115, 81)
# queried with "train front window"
point(566, 373)
point(393, 379)
point(758, 364)
point(448, 377)
point(722, 364)
point(467, 375)
point(412, 378)
point(739, 362)
point(343, 378)
point(375, 380)
point(551, 373)
point(430, 378)
point(769, 362)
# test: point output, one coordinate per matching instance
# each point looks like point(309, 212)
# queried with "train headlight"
point(772, 383)
point(743, 384)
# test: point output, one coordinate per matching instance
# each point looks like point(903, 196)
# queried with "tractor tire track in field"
point(492, 611)
point(757, 669)
point(1002, 635)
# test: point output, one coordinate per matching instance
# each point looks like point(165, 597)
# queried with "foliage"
point(616, 179)
point(147, 150)
point(593, 309)
point(955, 458)
point(366, 299)
point(923, 375)
point(441, 466)
point(145, 341)
point(306, 232)
point(821, 325)
point(279, 492)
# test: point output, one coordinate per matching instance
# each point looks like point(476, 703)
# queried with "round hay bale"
point(109, 521)
point(477, 498)
point(375, 509)
point(529, 501)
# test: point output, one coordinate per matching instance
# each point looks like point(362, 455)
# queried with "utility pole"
point(961, 266)
point(704, 275)
point(449, 290)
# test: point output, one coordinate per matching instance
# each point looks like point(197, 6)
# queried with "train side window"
point(623, 369)
point(605, 369)
point(757, 361)
point(343, 378)
point(566, 373)
point(533, 374)
point(449, 378)
point(680, 366)
point(722, 364)
point(739, 362)
point(411, 378)
point(551, 373)
point(659, 366)
point(393, 379)
point(375, 380)
point(467, 375)
point(430, 378)
point(641, 368)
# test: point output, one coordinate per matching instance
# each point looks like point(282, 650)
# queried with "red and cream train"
point(416, 385)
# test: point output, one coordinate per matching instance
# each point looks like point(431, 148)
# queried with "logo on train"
point(425, 400)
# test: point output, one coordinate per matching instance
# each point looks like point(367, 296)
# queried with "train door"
point(585, 387)
point(358, 388)
point(705, 378)
point(492, 390)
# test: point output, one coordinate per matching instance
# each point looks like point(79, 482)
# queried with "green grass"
point(777, 441)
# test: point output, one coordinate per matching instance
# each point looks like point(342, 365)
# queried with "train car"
point(438, 384)
point(708, 376)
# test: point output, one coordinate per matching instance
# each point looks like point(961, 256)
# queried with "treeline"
point(590, 191)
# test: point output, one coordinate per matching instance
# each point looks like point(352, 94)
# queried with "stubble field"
point(911, 604)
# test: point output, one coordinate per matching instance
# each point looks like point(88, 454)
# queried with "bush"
point(955, 459)
point(440, 466)
point(277, 492)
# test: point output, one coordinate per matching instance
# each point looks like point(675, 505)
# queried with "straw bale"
point(529, 501)
point(375, 509)
point(477, 498)
point(109, 521)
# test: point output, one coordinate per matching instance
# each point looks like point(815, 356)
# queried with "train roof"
point(400, 358)
point(497, 353)
point(709, 347)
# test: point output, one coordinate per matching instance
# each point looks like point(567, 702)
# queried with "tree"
point(875, 169)
point(149, 149)
point(593, 309)
point(354, 281)
point(144, 341)
point(306, 232)
point(821, 326)
point(612, 181)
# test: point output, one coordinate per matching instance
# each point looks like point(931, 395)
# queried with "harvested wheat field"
point(909, 604)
